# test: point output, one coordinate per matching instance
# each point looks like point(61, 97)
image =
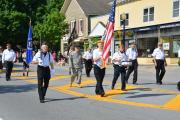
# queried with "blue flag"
point(29, 54)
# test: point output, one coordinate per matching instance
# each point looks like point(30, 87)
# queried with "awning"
point(98, 30)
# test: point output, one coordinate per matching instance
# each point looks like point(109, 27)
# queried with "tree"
point(16, 14)
point(53, 26)
point(52, 29)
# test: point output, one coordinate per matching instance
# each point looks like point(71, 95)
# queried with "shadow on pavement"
point(146, 83)
point(17, 88)
point(92, 86)
point(71, 98)
point(142, 89)
point(147, 95)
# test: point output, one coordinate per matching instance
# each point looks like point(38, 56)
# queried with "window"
point(81, 26)
point(126, 21)
point(72, 25)
point(148, 14)
point(176, 8)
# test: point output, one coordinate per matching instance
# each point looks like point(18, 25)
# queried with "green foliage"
point(45, 17)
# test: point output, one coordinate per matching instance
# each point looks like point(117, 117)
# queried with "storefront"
point(148, 37)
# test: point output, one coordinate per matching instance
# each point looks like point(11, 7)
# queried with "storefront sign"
point(166, 46)
point(170, 25)
point(146, 29)
point(155, 27)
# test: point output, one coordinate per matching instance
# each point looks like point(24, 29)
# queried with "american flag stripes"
point(109, 33)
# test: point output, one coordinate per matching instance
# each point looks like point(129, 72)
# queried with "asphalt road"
point(145, 101)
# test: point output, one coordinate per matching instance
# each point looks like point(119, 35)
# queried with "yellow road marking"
point(57, 77)
point(111, 93)
point(174, 103)
point(84, 83)
point(105, 99)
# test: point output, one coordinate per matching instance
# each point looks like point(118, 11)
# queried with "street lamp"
point(123, 18)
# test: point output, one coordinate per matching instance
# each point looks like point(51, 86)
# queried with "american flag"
point(107, 38)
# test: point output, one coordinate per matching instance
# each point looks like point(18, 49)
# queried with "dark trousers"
point(117, 71)
point(88, 67)
point(9, 66)
point(99, 75)
point(1, 65)
point(44, 76)
point(160, 71)
point(132, 68)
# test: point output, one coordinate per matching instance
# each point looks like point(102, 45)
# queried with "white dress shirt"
point(119, 57)
point(132, 53)
point(42, 59)
point(97, 54)
point(8, 55)
point(158, 54)
point(88, 55)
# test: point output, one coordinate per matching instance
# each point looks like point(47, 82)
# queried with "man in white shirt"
point(160, 62)
point(8, 58)
point(88, 61)
point(119, 67)
point(132, 56)
point(44, 60)
point(99, 69)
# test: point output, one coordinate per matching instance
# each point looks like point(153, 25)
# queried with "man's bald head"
point(44, 48)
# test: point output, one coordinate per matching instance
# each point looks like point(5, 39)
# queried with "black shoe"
point(159, 83)
point(7, 79)
point(123, 89)
point(41, 101)
point(135, 83)
point(43, 98)
point(23, 74)
point(178, 86)
point(112, 87)
point(102, 94)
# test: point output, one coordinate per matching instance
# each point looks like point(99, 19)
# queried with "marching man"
point(132, 56)
point(45, 61)
point(88, 61)
point(99, 68)
point(76, 63)
point(119, 63)
point(8, 58)
point(160, 63)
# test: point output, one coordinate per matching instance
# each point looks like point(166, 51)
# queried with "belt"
point(8, 61)
point(159, 59)
point(43, 66)
point(134, 60)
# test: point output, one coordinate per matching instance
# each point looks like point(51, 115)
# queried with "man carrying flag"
point(101, 54)
point(71, 38)
point(28, 55)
